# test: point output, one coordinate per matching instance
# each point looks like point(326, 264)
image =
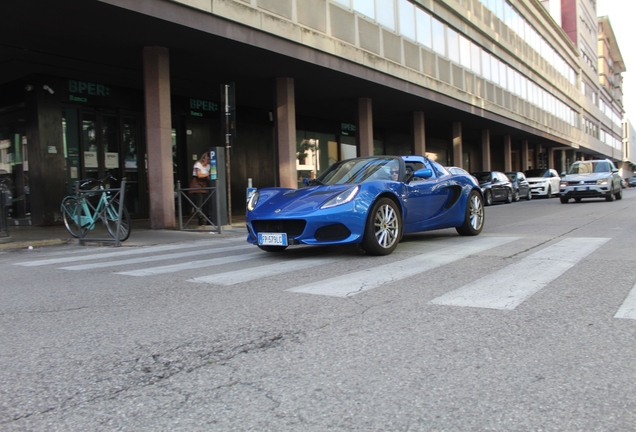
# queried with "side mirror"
point(614, 170)
point(423, 173)
point(305, 181)
point(495, 180)
point(563, 174)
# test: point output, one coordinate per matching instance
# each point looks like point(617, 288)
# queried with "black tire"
point(475, 216)
point(383, 230)
point(564, 200)
point(578, 200)
point(273, 248)
point(610, 196)
point(488, 198)
point(509, 196)
point(619, 195)
point(110, 221)
point(69, 210)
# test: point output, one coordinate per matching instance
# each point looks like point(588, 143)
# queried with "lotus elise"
point(371, 201)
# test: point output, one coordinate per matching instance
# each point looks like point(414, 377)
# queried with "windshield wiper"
point(314, 182)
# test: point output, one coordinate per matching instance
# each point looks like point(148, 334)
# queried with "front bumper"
point(585, 191)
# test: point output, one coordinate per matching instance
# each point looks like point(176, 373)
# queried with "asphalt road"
point(529, 326)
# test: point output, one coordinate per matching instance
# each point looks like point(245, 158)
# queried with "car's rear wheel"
point(273, 248)
point(488, 198)
point(475, 215)
point(384, 228)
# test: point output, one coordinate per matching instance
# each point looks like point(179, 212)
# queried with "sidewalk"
point(141, 235)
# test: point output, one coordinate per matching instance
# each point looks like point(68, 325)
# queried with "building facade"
point(141, 92)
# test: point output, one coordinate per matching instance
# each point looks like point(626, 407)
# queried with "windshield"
point(589, 167)
point(512, 176)
point(538, 173)
point(359, 171)
point(482, 177)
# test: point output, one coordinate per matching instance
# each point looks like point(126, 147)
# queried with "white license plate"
point(581, 188)
point(272, 239)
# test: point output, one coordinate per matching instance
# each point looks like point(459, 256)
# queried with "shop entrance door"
point(112, 144)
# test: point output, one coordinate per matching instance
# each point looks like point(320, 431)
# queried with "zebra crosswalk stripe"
point(505, 289)
point(191, 265)
point(364, 280)
point(235, 277)
point(173, 256)
point(120, 253)
point(628, 308)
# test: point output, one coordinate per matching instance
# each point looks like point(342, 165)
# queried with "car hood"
point(586, 177)
point(537, 179)
point(279, 200)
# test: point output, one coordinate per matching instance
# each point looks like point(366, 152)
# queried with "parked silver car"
point(591, 179)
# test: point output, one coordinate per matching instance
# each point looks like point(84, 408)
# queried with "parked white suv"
point(543, 182)
point(591, 179)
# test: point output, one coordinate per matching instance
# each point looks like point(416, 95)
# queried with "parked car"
point(624, 183)
point(369, 201)
point(543, 182)
point(631, 182)
point(495, 186)
point(520, 186)
point(591, 179)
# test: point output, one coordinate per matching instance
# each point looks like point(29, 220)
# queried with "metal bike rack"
point(119, 193)
point(198, 211)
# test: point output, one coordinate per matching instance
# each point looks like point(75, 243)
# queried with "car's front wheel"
point(564, 200)
point(384, 228)
point(610, 195)
point(475, 215)
point(619, 195)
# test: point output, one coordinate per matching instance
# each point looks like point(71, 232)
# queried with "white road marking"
point(125, 252)
point(191, 265)
point(510, 286)
point(628, 308)
point(239, 276)
point(360, 281)
point(197, 252)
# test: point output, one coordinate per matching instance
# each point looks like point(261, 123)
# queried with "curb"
point(34, 243)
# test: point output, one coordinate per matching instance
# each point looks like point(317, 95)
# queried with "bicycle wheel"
point(70, 217)
point(110, 220)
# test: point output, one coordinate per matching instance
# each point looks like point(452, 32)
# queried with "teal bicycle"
point(81, 212)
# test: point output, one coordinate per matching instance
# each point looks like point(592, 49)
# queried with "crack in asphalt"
point(152, 369)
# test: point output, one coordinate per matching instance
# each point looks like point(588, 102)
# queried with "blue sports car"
point(371, 201)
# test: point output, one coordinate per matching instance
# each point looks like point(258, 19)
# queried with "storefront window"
point(14, 166)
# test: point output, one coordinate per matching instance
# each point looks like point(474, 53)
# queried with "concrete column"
point(507, 153)
point(159, 136)
point(457, 144)
point(485, 150)
point(524, 155)
point(563, 166)
point(365, 127)
point(550, 158)
point(419, 134)
point(286, 132)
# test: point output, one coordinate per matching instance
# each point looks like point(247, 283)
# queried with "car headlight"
point(253, 200)
point(563, 184)
point(342, 198)
point(601, 181)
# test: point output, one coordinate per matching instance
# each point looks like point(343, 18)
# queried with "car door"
point(524, 188)
point(424, 199)
point(555, 181)
point(499, 189)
